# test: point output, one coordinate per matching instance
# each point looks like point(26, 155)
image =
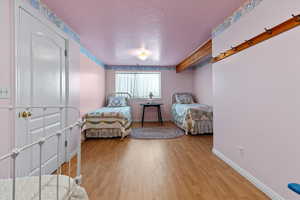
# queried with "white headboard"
point(119, 94)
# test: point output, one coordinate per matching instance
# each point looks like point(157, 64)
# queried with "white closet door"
point(40, 81)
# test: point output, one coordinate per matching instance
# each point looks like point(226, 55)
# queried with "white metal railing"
point(13, 155)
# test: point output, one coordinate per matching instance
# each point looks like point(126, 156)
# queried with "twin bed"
point(41, 183)
point(115, 119)
point(190, 116)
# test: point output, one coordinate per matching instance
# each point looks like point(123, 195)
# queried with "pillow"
point(184, 99)
point(117, 102)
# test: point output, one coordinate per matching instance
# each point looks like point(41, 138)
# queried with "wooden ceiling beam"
point(202, 52)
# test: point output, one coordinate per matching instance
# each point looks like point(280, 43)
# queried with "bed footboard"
point(40, 143)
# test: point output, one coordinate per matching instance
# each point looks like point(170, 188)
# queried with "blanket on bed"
point(27, 188)
point(109, 118)
point(193, 118)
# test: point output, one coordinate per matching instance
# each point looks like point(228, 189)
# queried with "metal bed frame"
point(115, 94)
point(120, 94)
point(13, 155)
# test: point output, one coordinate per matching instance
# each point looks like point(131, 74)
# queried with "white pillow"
point(117, 102)
point(184, 99)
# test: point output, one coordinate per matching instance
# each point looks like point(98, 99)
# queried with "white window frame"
point(141, 72)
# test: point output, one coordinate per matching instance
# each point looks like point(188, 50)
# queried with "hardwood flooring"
point(176, 169)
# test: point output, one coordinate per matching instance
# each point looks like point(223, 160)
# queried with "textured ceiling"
point(170, 29)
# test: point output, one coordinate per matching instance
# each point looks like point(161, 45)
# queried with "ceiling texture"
point(170, 29)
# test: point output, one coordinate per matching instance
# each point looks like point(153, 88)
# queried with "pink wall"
point(257, 99)
point(203, 84)
point(6, 81)
point(92, 85)
point(171, 82)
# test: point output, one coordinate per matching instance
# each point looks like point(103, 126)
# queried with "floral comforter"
point(108, 122)
point(193, 118)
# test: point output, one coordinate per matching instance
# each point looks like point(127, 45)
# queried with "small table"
point(157, 105)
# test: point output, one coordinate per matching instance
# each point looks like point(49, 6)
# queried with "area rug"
point(156, 133)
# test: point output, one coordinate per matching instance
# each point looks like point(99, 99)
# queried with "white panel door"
point(40, 81)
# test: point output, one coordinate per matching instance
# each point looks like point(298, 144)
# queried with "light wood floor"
point(176, 169)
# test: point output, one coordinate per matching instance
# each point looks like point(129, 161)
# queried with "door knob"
point(25, 114)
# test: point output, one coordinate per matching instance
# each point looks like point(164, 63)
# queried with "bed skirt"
point(197, 127)
point(193, 118)
point(106, 133)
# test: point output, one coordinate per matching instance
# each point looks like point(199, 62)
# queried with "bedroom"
point(221, 121)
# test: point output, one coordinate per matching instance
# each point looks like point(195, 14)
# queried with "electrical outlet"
point(4, 93)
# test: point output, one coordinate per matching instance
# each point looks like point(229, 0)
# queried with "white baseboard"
point(257, 183)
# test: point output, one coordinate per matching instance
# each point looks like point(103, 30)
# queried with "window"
point(139, 84)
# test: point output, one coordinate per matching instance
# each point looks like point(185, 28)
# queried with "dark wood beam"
point(202, 52)
point(267, 34)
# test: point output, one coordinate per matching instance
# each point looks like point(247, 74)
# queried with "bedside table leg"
point(143, 116)
point(160, 116)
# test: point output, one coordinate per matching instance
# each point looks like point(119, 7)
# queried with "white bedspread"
point(27, 188)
